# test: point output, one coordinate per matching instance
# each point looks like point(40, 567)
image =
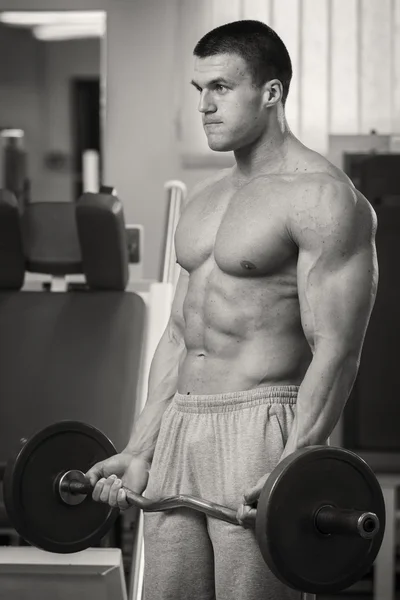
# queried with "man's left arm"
point(337, 276)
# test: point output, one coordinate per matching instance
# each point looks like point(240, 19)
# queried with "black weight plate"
point(291, 545)
point(32, 500)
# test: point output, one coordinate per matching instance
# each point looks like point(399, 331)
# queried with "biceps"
point(336, 301)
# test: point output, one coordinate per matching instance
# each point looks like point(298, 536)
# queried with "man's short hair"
point(259, 45)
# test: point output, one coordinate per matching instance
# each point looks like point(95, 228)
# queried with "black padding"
point(12, 259)
point(72, 356)
point(101, 230)
point(51, 238)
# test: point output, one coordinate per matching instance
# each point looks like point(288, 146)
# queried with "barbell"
point(319, 522)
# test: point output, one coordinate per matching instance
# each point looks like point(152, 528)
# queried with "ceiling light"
point(30, 19)
point(67, 32)
point(12, 133)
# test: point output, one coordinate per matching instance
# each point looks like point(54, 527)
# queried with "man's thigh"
point(240, 570)
point(179, 559)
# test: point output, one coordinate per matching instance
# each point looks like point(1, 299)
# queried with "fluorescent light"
point(67, 32)
point(30, 19)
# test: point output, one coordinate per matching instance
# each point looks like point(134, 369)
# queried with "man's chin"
point(219, 146)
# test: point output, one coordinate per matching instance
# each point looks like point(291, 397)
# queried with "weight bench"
point(72, 355)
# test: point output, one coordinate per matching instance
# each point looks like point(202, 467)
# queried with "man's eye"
point(220, 88)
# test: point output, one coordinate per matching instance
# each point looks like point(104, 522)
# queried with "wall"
point(139, 128)
point(35, 96)
point(63, 61)
point(21, 81)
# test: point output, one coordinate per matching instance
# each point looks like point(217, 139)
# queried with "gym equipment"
point(31, 495)
point(320, 517)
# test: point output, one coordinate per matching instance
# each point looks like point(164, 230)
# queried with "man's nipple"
point(249, 266)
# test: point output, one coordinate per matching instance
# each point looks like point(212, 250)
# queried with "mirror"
point(50, 85)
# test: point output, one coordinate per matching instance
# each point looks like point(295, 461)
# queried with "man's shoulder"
point(328, 191)
point(310, 185)
point(318, 183)
point(330, 205)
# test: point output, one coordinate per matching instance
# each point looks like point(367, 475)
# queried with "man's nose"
point(206, 103)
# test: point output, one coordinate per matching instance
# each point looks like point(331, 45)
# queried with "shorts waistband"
point(228, 401)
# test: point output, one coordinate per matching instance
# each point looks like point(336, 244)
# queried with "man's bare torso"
point(242, 321)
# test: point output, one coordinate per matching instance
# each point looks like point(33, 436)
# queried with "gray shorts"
point(216, 447)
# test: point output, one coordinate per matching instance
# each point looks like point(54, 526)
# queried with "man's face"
point(231, 106)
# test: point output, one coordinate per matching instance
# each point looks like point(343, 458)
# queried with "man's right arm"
point(163, 378)
point(169, 355)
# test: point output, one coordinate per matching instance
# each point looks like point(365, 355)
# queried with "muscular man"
point(278, 280)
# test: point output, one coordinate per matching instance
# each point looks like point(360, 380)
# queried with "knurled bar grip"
point(328, 519)
point(181, 501)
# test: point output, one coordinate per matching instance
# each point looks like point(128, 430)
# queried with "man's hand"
point(246, 513)
point(112, 478)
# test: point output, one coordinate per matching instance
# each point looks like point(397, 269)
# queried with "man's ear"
point(273, 92)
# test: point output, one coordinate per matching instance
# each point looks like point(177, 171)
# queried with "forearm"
point(322, 396)
point(163, 383)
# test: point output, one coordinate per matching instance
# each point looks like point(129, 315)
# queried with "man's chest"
point(244, 231)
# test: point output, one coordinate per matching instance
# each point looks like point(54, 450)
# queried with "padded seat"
point(51, 239)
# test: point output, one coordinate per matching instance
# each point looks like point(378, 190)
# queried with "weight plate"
point(32, 501)
point(296, 552)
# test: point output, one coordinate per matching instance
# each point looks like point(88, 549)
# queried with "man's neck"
point(268, 155)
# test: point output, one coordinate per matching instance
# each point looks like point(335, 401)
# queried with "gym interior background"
point(120, 89)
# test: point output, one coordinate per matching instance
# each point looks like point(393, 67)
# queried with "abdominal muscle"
point(241, 333)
